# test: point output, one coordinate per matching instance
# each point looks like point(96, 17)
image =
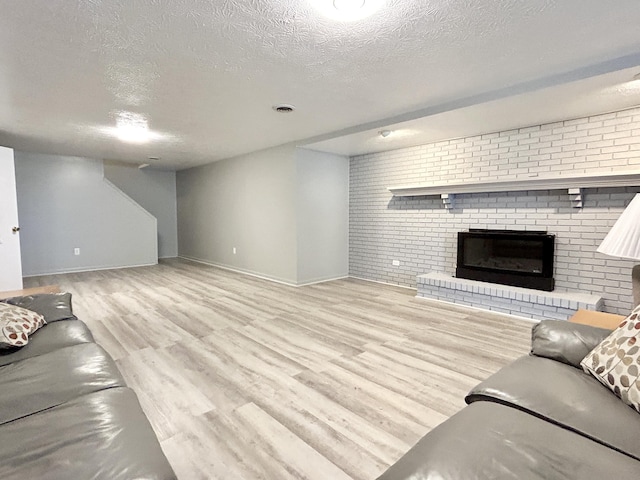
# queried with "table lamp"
point(623, 240)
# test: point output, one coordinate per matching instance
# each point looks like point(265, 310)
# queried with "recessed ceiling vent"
point(284, 108)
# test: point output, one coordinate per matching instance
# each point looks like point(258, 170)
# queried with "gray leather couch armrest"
point(566, 396)
point(564, 341)
point(52, 306)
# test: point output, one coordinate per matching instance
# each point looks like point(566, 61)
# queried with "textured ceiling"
point(206, 73)
point(594, 95)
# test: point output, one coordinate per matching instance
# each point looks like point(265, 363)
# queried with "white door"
point(10, 260)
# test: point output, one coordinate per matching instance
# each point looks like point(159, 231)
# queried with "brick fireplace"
point(394, 240)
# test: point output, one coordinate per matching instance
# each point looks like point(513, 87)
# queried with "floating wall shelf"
point(573, 184)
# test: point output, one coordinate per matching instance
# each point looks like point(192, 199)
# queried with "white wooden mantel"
point(574, 185)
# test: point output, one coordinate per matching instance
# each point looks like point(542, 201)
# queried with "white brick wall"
point(422, 234)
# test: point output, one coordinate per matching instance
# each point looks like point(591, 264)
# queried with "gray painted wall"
point(323, 215)
point(246, 202)
point(284, 209)
point(155, 191)
point(421, 234)
point(64, 203)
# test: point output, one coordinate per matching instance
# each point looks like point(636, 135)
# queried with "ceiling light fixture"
point(636, 76)
point(385, 133)
point(347, 10)
point(131, 128)
point(348, 5)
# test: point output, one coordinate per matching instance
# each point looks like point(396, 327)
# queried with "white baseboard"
point(88, 269)
point(322, 280)
point(259, 275)
point(239, 270)
point(383, 283)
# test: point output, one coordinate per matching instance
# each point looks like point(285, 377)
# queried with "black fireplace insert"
point(509, 257)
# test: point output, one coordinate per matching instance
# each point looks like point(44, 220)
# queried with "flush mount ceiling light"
point(347, 10)
point(348, 5)
point(131, 128)
point(385, 133)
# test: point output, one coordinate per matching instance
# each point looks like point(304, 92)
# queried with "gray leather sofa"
point(540, 417)
point(65, 410)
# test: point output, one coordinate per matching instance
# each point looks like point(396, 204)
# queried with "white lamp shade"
point(624, 238)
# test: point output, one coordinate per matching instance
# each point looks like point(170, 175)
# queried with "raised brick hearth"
point(523, 302)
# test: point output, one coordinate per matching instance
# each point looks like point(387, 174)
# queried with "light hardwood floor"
point(243, 378)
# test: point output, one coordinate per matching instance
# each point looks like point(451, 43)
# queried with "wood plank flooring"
point(243, 378)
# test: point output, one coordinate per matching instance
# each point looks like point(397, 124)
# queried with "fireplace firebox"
point(509, 257)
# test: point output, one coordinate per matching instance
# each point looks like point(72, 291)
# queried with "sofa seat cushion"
point(564, 395)
point(488, 441)
point(52, 336)
point(45, 381)
point(103, 435)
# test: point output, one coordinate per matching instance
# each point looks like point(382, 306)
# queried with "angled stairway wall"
point(65, 203)
point(155, 191)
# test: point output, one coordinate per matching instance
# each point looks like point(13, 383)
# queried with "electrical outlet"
point(396, 263)
point(234, 250)
point(76, 251)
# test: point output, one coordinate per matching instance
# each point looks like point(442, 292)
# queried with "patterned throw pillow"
point(16, 324)
point(616, 361)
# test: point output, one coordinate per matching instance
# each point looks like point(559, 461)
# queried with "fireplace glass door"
point(519, 258)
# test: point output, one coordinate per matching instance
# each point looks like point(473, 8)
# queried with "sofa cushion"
point(566, 396)
point(49, 338)
point(52, 306)
point(615, 362)
point(46, 381)
point(103, 435)
point(564, 341)
point(490, 441)
point(17, 324)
